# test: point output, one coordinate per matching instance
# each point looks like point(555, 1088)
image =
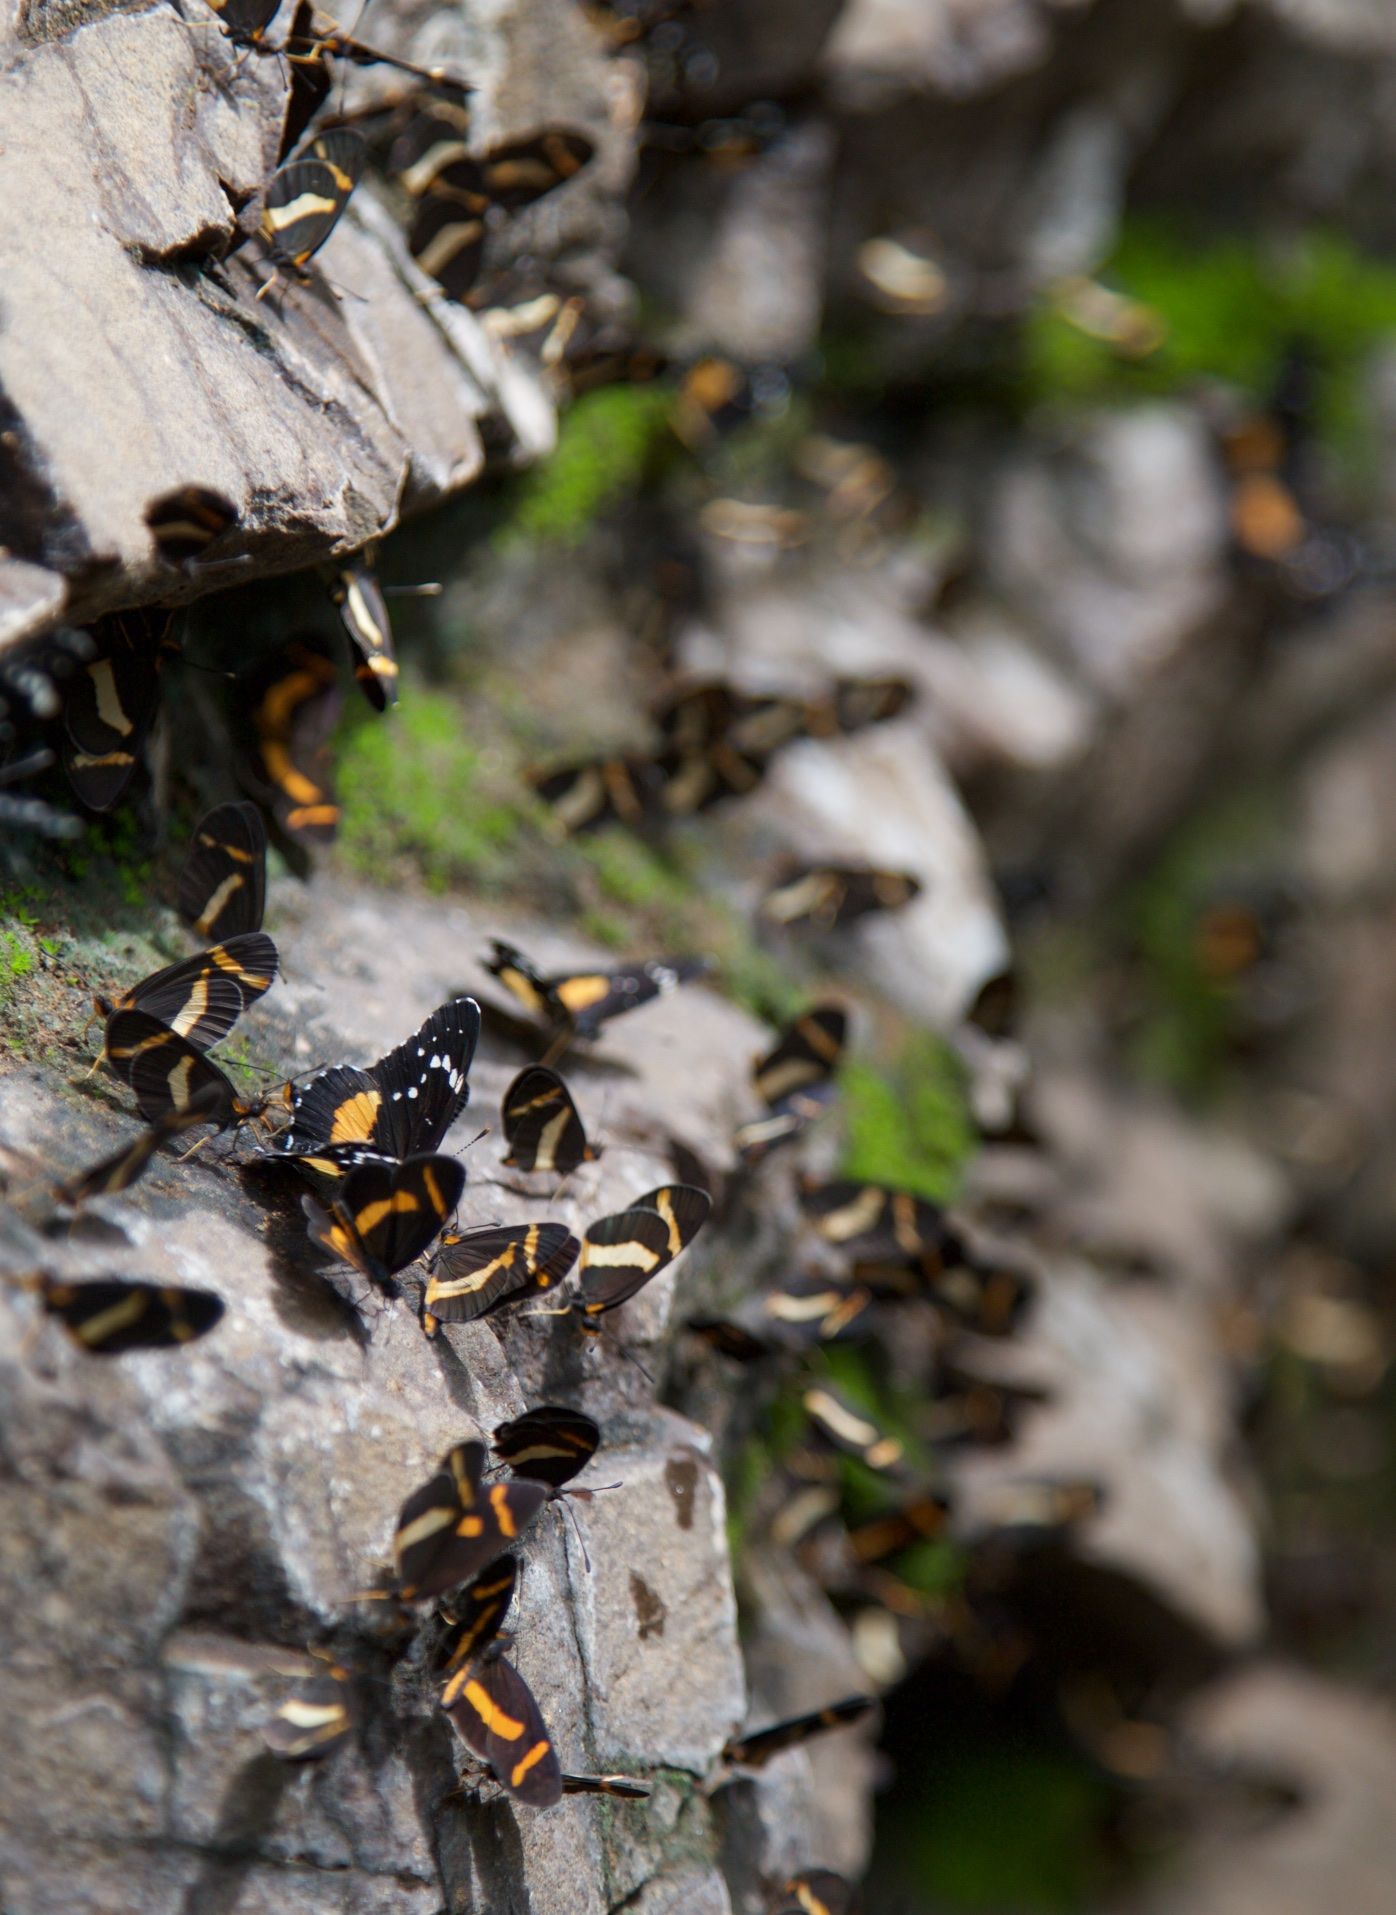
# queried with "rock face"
point(325, 410)
point(178, 1526)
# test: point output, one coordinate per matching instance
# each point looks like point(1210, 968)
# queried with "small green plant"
point(909, 1125)
point(412, 788)
point(1227, 308)
point(603, 448)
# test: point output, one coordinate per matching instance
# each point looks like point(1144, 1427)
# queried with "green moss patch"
point(604, 446)
point(910, 1124)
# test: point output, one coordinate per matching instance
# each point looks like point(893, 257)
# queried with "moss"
point(413, 787)
point(604, 445)
point(911, 1124)
point(1227, 309)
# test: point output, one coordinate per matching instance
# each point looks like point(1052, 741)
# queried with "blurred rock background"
point(1064, 341)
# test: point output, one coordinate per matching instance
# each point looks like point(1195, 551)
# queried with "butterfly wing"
point(424, 1083)
point(475, 1272)
point(222, 888)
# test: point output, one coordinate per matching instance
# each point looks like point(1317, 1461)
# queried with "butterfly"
point(541, 1124)
point(307, 194)
point(795, 1080)
point(754, 1749)
point(828, 897)
point(294, 702)
point(551, 1444)
point(222, 888)
point(385, 1213)
point(402, 1106)
point(620, 1253)
point(475, 1271)
point(492, 1710)
point(167, 1074)
point(314, 1719)
point(579, 1002)
point(200, 998)
point(110, 703)
point(111, 1315)
point(851, 1429)
point(364, 611)
point(450, 1528)
point(119, 1171)
point(185, 522)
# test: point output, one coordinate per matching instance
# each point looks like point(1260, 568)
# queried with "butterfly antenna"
point(621, 1350)
point(413, 591)
point(556, 1049)
point(577, 1531)
point(193, 1149)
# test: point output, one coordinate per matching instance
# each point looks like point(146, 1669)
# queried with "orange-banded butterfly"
point(541, 1124)
point(385, 1213)
point(476, 1613)
point(755, 1748)
point(551, 1444)
point(450, 1528)
point(581, 1001)
point(475, 1271)
point(828, 897)
point(294, 701)
point(403, 1105)
point(815, 1891)
point(119, 1171)
point(110, 702)
point(922, 1518)
point(200, 998)
point(306, 196)
point(620, 1253)
point(185, 522)
point(627, 1787)
point(223, 886)
point(167, 1073)
point(795, 1080)
point(851, 1429)
point(314, 1718)
point(627, 788)
point(492, 1710)
point(364, 612)
point(110, 1315)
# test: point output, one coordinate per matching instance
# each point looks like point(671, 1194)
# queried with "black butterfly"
point(119, 1171)
point(402, 1106)
point(475, 1271)
point(168, 1074)
point(493, 1712)
point(306, 196)
point(185, 522)
point(816, 1891)
point(293, 704)
point(385, 1213)
point(314, 1718)
point(620, 1253)
point(549, 1445)
point(114, 1314)
point(579, 1002)
point(450, 1528)
point(364, 610)
point(541, 1124)
point(200, 998)
point(795, 1080)
point(110, 704)
point(223, 886)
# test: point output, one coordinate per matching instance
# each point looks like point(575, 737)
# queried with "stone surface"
point(322, 412)
point(177, 1526)
point(1333, 1846)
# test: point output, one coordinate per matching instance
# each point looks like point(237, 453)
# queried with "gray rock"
point(322, 412)
point(178, 1526)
